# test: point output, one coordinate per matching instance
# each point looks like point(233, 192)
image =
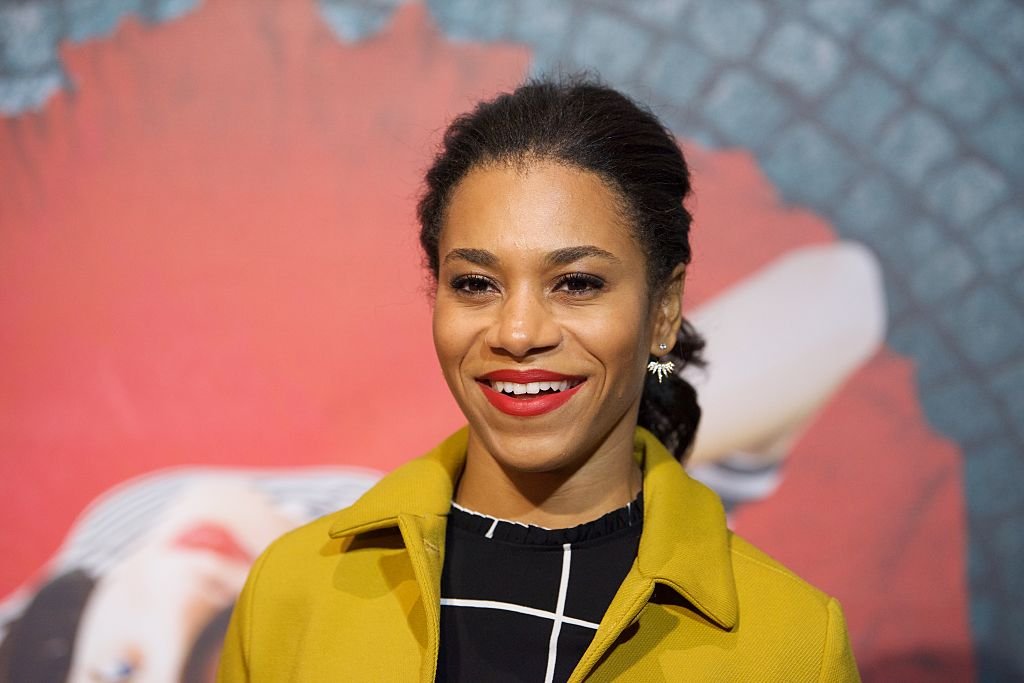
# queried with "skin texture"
point(503, 302)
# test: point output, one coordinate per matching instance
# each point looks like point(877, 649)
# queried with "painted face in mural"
point(542, 322)
point(145, 614)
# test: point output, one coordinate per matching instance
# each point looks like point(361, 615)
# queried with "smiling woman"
point(556, 537)
point(561, 296)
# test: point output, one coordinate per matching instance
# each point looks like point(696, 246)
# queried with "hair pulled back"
point(589, 126)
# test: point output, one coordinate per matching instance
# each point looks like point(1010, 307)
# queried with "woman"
point(554, 538)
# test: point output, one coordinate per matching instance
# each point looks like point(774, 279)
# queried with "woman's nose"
point(523, 325)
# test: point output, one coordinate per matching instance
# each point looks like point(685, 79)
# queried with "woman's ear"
point(668, 311)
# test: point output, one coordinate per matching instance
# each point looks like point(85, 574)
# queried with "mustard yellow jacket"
point(353, 596)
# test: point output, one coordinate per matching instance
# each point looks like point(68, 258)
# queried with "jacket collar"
point(685, 543)
point(421, 487)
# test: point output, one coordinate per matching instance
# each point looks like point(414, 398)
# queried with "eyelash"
point(462, 284)
point(590, 283)
point(476, 285)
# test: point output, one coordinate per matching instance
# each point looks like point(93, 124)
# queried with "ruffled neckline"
point(610, 524)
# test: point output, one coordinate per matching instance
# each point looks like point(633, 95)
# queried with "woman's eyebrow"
point(563, 257)
point(558, 257)
point(480, 257)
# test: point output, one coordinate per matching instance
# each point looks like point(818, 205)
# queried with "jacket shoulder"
point(779, 607)
point(298, 552)
point(753, 565)
point(314, 606)
point(302, 536)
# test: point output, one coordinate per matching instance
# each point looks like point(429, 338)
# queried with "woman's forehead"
point(538, 208)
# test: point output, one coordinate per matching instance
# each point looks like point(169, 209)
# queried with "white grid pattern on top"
point(557, 617)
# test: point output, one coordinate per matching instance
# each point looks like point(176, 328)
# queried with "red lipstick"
point(528, 405)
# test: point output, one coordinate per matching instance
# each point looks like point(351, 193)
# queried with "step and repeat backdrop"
point(214, 323)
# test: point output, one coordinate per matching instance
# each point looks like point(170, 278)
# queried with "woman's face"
point(543, 323)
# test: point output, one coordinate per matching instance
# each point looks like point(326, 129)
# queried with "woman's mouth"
point(528, 393)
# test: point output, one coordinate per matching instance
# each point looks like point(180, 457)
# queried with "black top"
point(522, 603)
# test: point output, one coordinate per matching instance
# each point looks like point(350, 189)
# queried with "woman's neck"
point(608, 479)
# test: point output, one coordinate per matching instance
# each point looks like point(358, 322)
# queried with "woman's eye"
point(580, 283)
point(472, 284)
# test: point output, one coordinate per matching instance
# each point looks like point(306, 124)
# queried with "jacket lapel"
point(684, 546)
point(685, 543)
point(416, 498)
point(424, 540)
point(421, 487)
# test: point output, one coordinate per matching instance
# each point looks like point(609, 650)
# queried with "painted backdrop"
point(213, 323)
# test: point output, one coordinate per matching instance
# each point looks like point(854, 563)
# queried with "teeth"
point(531, 387)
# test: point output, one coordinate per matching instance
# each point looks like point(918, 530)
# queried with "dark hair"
point(40, 643)
point(201, 663)
point(589, 126)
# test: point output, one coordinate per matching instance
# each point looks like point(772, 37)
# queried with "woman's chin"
point(531, 451)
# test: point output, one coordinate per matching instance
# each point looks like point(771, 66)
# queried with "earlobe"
point(670, 311)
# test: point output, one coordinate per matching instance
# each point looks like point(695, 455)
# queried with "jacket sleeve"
point(837, 663)
point(234, 658)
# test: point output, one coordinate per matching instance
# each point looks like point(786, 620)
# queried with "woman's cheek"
point(454, 337)
point(613, 336)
